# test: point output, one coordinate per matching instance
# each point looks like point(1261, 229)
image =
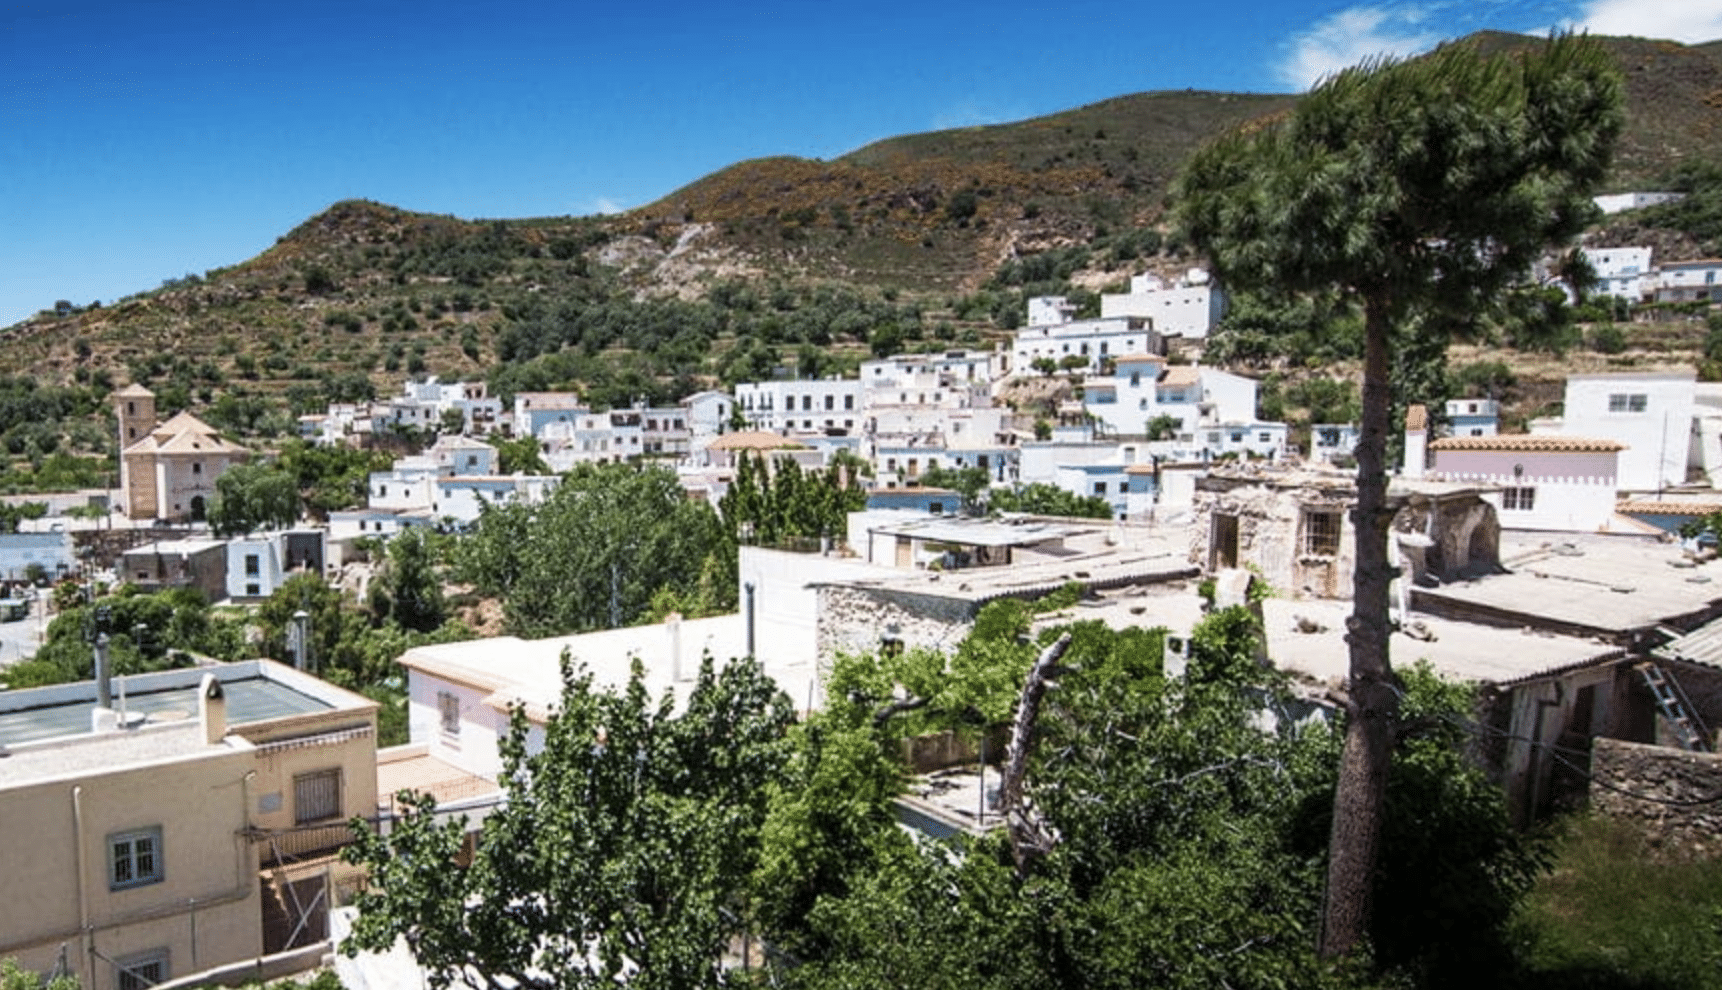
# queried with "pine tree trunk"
point(1358, 800)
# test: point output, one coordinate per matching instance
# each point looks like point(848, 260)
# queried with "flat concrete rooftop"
point(1584, 584)
point(1461, 651)
point(529, 671)
point(251, 700)
point(257, 691)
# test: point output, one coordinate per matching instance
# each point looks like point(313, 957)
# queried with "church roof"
point(184, 434)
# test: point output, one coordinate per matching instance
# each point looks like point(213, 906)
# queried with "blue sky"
point(145, 139)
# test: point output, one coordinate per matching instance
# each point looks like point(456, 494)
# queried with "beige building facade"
point(160, 837)
point(168, 470)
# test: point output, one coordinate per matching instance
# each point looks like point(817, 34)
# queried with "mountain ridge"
point(1074, 198)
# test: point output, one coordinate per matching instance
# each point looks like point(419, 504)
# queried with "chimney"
point(749, 589)
point(104, 673)
point(1416, 440)
point(212, 709)
point(673, 623)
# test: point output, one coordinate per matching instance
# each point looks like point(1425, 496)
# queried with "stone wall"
point(858, 619)
point(1648, 785)
point(1271, 538)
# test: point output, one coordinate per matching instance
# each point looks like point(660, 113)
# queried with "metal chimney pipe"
point(104, 673)
point(749, 587)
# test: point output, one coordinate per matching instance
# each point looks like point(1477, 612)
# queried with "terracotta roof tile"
point(755, 440)
point(1530, 443)
point(1671, 507)
point(1181, 375)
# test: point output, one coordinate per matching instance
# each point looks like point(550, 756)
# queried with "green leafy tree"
point(1042, 499)
point(595, 552)
point(1163, 427)
point(1424, 188)
point(410, 585)
point(775, 502)
point(13, 513)
point(329, 621)
point(969, 482)
point(1487, 379)
point(249, 497)
point(15, 977)
point(331, 478)
point(621, 853)
point(452, 422)
point(520, 455)
point(147, 632)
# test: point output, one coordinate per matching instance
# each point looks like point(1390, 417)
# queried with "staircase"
point(1674, 706)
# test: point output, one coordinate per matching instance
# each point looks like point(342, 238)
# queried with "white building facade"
point(1188, 308)
point(1622, 272)
point(801, 406)
point(1650, 414)
point(1092, 341)
point(1559, 483)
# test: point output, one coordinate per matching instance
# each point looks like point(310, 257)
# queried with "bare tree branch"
point(1029, 836)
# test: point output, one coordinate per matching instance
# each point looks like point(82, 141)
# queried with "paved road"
point(18, 640)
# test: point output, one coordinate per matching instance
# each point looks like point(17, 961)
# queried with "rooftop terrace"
point(257, 691)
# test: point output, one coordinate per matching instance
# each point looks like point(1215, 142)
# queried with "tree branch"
point(896, 708)
point(1029, 836)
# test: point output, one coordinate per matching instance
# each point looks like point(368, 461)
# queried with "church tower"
point(134, 409)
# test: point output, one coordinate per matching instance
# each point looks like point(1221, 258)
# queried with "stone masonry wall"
point(1648, 785)
point(855, 620)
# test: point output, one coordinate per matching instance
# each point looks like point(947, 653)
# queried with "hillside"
point(922, 240)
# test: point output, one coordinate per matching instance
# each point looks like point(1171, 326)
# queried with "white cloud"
point(1352, 35)
point(604, 204)
point(1687, 21)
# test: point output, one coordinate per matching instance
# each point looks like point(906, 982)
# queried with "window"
point(1100, 488)
point(144, 969)
point(1321, 534)
point(196, 467)
point(849, 402)
point(253, 566)
point(1627, 402)
point(1518, 499)
point(448, 707)
point(316, 796)
point(1264, 438)
point(806, 402)
point(831, 402)
point(134, 858)
point(254, 589)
